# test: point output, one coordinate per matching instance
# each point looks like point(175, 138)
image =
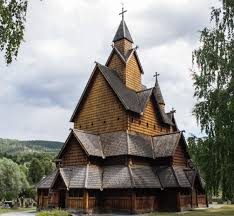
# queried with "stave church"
point(125, 152)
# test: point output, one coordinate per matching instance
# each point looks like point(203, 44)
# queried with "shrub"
point(53, 213)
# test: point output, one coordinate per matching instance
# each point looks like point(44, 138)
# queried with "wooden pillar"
point(178, 201)
point(191, 198)
point(133, 210)
point(86, 201)
point(66, 200)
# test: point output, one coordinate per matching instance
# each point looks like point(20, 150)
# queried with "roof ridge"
point(71, 172)
point(177, 143)
point(156, 174)
point(121, 98)
point(131, 176)
point(167, 134)
point(174, 173)
point(127, 142)
point(83, 131)
point(120, 54)
point(152, 145)
point(145, 90)
point(86, 176)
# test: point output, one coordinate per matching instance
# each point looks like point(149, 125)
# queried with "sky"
point(63, 39)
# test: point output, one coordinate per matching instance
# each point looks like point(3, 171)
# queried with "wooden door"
point(62, 199)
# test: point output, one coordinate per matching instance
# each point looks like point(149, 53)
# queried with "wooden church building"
point(125, 152)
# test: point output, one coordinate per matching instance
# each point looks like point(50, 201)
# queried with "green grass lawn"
point(225, 210)
point(3, 210)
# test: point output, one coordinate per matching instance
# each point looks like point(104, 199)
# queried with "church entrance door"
point(62, 198)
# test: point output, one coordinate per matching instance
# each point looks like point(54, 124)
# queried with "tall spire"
point(122, 32)
point(158, 90)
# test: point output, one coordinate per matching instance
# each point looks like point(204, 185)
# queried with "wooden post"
point(86, 201)
point(133, 210)
point(192, 198)
point(66, 200)
point(178, 201)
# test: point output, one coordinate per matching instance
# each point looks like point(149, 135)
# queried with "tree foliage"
point(12, 180)
point(12, 22)
point(214, 90)
point(36, 171)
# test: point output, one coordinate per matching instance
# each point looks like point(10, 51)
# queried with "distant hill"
point(13, 147)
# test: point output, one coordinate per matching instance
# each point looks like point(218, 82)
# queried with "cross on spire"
point(172, 110)
point(156, 77)
point(123, 11)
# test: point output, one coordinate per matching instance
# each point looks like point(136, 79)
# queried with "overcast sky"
point(39, 91)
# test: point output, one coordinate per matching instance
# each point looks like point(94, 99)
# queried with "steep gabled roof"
point(47, 182)
point(89, 142)
point(127, 96)
point(122, 32)
point(125, 57)
point(131, 100)
point(165, 145)
point(158, 93)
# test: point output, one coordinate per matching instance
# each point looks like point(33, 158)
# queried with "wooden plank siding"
point(118, 65)
point(146, 204)
point(179, 157)
point(102, 111)
point(201, 200)
point(75, 202)
point(133, 74)
point(74, 154)
point(119, 203)
point(123, 45)
point(149, 123)
point(185, 202)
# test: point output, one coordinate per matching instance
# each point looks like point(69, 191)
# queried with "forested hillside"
point(13, 147)
point(24, 164)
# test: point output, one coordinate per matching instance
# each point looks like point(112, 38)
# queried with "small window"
point(92, 124)
point(154, 127)
point(139, 122)
point(132, 119)
point(147, 124)
point(104, 122)
point(80, 126)
point(118, 119)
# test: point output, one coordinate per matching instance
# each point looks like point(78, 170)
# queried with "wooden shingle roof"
point(47, 182)
point(125, 143)
point(131, 100)
point(119, 176)
point(165, 145)
point(122, 32)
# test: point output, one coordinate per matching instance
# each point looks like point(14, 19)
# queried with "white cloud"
point(39, 91)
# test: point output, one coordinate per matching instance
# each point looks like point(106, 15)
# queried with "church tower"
point(124, 59)
point(115, 98)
